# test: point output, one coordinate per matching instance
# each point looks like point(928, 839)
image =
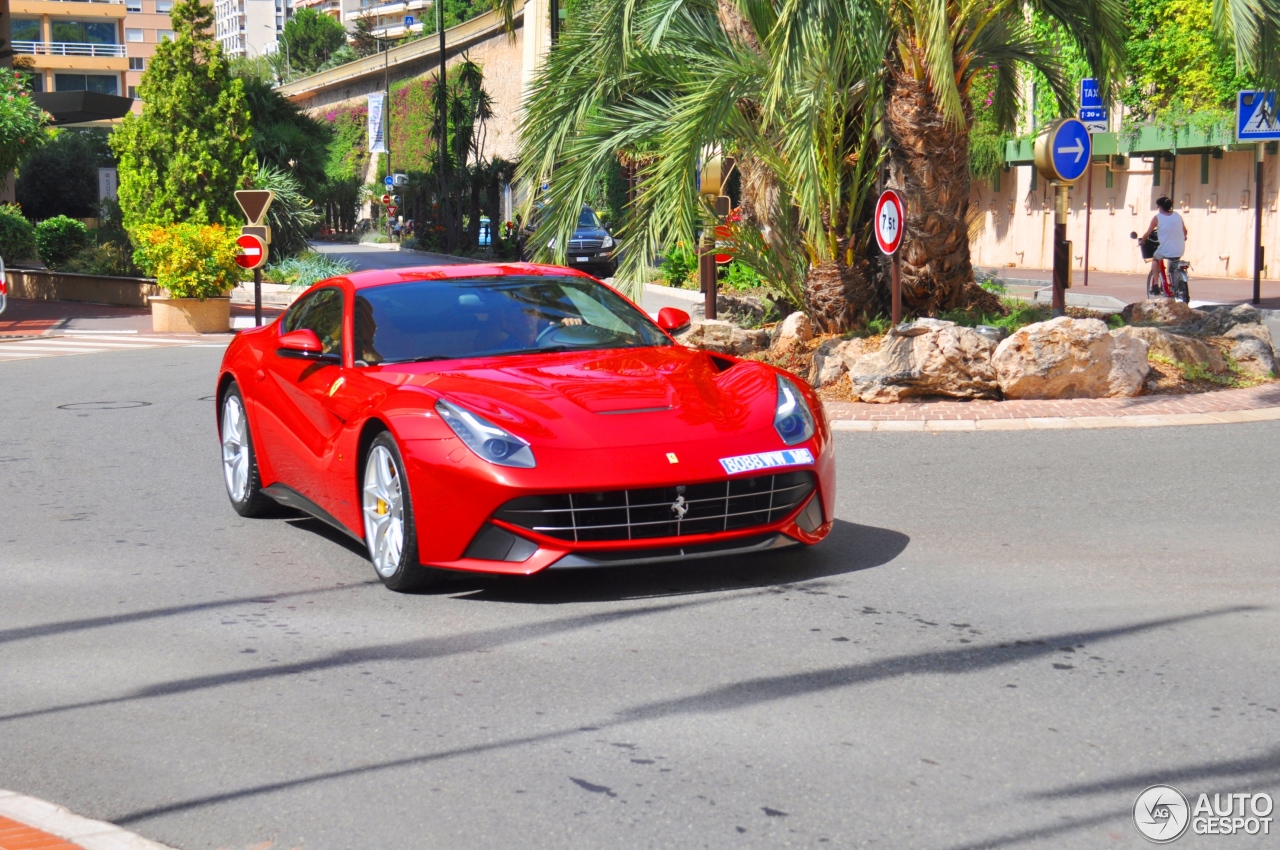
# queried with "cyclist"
point(1171, 232)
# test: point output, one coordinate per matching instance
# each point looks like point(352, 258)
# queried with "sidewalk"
point(1132, 287)
point(25, 319)
point(27, 823)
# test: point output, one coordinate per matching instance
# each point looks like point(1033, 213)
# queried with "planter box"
point(190, 315)
point(40, 285)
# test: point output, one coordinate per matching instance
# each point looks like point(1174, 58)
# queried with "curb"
point(54, 820)
point(1042, 423)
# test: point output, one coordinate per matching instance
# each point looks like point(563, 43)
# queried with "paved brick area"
point(26, 327)
point(1253, 398)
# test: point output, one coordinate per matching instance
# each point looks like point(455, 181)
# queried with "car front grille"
point(731, 505)
point(585, 245)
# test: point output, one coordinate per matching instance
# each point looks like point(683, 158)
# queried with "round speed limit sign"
point(890, 213)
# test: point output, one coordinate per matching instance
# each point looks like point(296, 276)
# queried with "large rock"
point(1184, 349)
point(1160, 311)
point(1218, 320)
point(726, 337)
point(831, 360)
point(926, 358)
point(1070, 358)
point(1253, 349)
point(795, 331)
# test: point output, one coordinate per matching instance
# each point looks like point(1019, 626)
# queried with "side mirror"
point(302, 344)
point(671, 320)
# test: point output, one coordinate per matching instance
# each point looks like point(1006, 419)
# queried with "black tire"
point(406, 573)
point(252, 502)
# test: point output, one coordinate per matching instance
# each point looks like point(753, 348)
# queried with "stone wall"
point(64, 286)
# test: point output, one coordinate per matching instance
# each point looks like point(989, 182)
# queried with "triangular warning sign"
point(255, 203)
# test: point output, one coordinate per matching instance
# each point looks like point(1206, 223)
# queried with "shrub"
point(106, 258)
point(189, 260)
point(17, 236)
point(741, 276)
point(305, 269)
point(58, 239)
point(679, 266)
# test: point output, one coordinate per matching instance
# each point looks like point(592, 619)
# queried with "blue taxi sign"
point(1063, 150)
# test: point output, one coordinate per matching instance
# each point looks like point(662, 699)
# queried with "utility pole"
point(386, 113)
point(442, 119)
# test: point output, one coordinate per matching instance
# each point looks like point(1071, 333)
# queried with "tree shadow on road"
point(848, 549)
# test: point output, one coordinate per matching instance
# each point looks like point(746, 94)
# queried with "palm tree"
point(667, 82)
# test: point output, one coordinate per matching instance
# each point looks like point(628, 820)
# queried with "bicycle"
point(1158, 282)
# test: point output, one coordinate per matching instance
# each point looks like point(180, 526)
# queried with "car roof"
point(380, 277)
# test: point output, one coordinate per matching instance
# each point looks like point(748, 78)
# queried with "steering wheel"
point(582, 334)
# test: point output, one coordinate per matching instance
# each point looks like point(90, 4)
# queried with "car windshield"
point(479, 317)
point(588, 219)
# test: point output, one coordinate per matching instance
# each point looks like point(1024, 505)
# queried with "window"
point(133, 92)
point(25, 29)
point(84, 32)
point(162, 35)
point(321, 313)
point(101, 83)
point(133, 5)
point(137, 63)
point(164, 7)
point(132, 34)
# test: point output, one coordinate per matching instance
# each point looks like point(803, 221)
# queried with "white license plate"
point(583, 259)
point(766, 460)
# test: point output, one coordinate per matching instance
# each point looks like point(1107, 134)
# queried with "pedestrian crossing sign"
point(1256, 119)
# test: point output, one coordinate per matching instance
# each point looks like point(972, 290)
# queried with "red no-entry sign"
point(889, 219)
point(253, 251)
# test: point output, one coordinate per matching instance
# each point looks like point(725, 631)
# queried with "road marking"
point(74, 331)
point(1039, 423)
point(87, 343)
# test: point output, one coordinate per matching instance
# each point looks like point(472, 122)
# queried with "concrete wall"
point(1014, 226)
point(95, 289)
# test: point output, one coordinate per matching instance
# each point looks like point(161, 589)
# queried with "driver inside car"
point(518, 328)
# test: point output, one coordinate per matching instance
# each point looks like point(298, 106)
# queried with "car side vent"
point(721, 363)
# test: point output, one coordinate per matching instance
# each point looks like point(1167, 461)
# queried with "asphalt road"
point(1007, 637)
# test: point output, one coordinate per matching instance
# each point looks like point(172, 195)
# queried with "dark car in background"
point(591, 248)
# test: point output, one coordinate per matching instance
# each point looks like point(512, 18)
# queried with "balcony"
point(377, 10)
point(68, 48)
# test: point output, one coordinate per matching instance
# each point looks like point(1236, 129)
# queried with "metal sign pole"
point(1257, 226)
point(1061, 250)
point(1088, 219)
point(707, 275)
point(257, 297)
point(897, 289)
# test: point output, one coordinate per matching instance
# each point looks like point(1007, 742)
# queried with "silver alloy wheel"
point(383, 511)
point(235, 449)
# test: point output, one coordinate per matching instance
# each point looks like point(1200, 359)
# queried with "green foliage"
point(285, 137)
point(679, 267)
point(348, 150)
point(58, 238)
point(1019, 314)
point(105, 258)
point(183, 158)
point(1114, 321)
point(292, 216)
point(305, 269)
point(310, 38)
point(190, 260)
point(61, 177)
point(21, 122)
point(1180, 73)
point(412, 114)
point(740, 276)
point(363, 41)
point(1073, 68)
point(873, 326)
point(986, 137)
point(17, 236)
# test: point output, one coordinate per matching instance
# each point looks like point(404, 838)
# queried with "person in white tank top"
point(1171, 232)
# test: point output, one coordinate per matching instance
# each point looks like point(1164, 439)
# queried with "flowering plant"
point(22, 123)
point(189, 260)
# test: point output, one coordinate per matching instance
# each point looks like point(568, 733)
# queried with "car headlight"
point(486, 439)
point(792, 419)
point(607, 243)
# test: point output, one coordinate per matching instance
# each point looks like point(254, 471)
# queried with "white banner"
point(377, 123)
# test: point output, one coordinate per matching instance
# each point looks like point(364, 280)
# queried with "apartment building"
point(390, 20)
point(333, 8)
point(250, 27)
point(146, 24)
point(75, 45)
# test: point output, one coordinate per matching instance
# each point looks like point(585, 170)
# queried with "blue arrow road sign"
point(1071, 149)
point(1090, 95)
point(1256, 118)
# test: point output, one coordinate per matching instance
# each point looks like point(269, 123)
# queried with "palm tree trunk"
point(929, 165)
point(836, 294)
